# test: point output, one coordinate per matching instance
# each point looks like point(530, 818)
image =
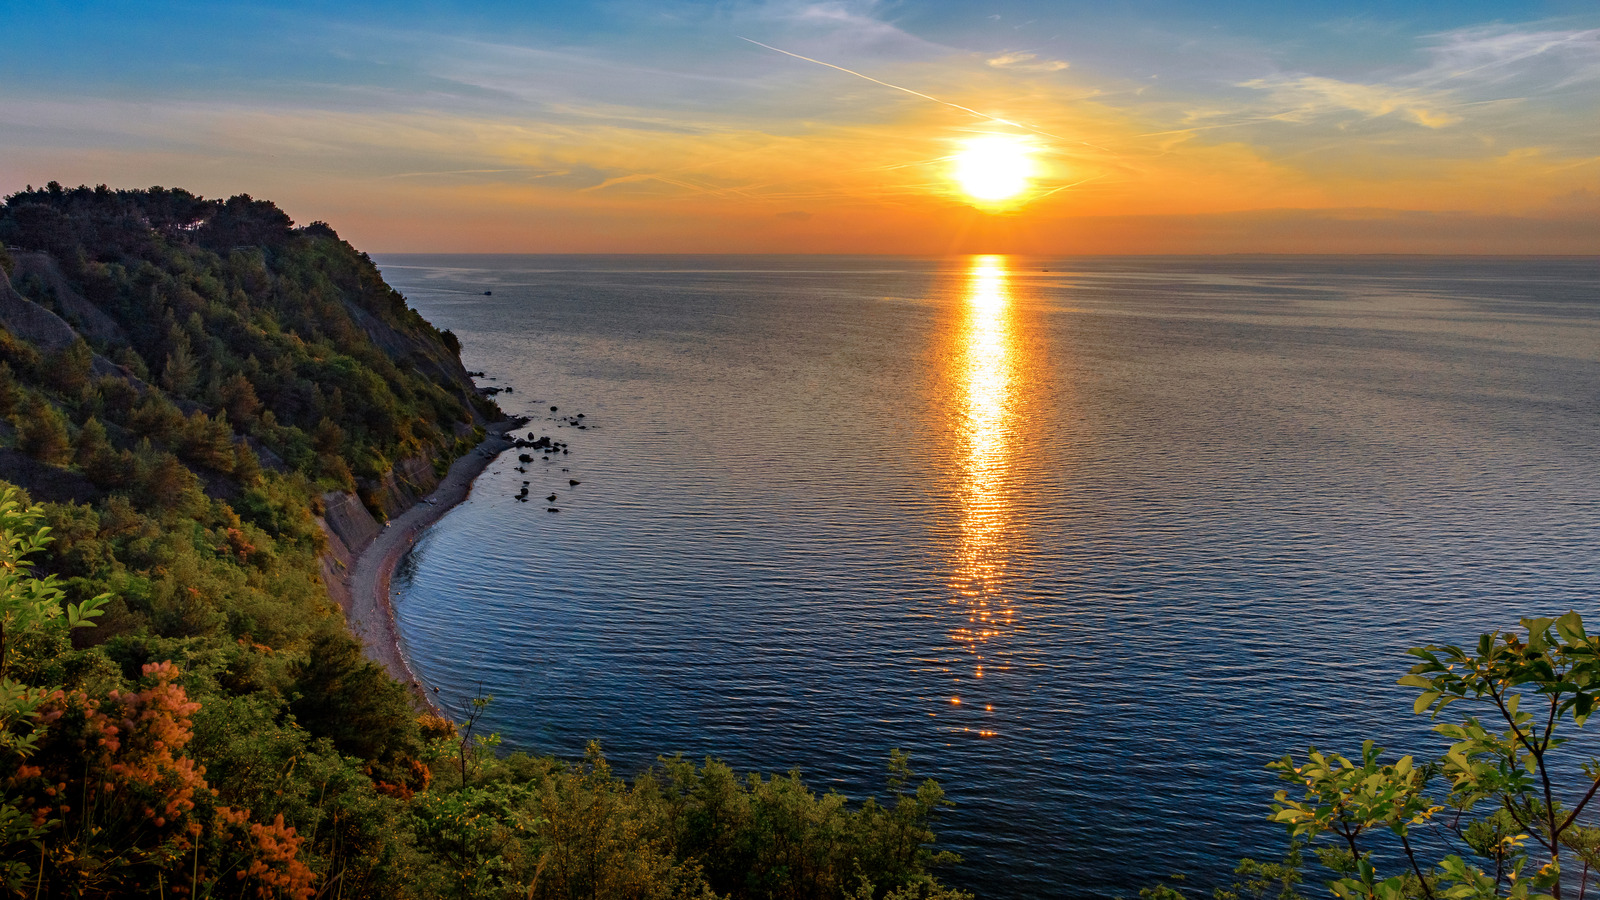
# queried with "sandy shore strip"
point(371, 614)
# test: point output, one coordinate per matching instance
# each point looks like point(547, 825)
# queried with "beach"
point(370, 613)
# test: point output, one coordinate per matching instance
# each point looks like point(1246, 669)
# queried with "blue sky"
point(659, 126)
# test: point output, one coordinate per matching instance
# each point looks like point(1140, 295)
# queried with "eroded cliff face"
point(50, 332)
point(350, 527)
point(87, 319)
point(32, 322)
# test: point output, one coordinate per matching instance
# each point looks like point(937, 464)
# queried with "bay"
point(1092, 538)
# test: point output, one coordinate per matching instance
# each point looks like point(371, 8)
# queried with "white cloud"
point(1311, 96)
point(1026, 62)
point(833, 26)
point(1498, 54)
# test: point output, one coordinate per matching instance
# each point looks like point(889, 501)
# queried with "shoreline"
point(370, 615)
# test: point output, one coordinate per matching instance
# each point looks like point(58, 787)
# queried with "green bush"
point(1507, 798)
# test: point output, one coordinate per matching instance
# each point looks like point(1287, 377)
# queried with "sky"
point(779, 126)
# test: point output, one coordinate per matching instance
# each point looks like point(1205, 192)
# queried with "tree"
point(239, 400)
point(208, 442)
point(29, 607)
point(169, 485)
point(1504, 811)
point(341, 695)
point(10, 390)
point(179, 374)
point(42, 432)
point(71, 367)
point(94, 453)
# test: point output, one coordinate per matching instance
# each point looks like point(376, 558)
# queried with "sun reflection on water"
point(986, 374)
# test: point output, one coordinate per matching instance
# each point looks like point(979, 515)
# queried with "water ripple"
point(1152, 522)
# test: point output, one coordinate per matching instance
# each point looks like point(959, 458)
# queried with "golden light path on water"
point(987, 364)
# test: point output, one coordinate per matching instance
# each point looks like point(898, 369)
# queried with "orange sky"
point(1476, 138)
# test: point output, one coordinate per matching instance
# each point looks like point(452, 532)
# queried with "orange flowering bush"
point(131, 809)
point(274, 868)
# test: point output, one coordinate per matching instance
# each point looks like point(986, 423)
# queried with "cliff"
point(247, 394)
point(216, 410)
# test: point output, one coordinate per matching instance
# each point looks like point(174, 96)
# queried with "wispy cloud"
point(530, 173)
point(1308, 97)
point(853, 28)
point(1505, 85)
point(1501, 54)
point(1026, 62)
point(929, 97)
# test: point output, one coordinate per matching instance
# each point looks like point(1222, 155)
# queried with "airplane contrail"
point(968, 109)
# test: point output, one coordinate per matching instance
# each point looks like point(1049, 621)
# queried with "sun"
point(994, 168)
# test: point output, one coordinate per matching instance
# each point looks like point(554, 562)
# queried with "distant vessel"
point(488, 293)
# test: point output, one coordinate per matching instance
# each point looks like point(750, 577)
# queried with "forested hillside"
point(182, 711)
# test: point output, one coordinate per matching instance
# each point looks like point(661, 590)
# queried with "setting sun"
point(994, 167)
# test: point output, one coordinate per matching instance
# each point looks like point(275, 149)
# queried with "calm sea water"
point(1093, 539)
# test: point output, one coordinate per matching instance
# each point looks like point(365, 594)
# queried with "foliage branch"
point(1512, 807)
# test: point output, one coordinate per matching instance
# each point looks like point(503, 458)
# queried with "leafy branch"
point(1501, 771)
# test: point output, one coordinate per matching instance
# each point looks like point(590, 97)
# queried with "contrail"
point(967, 109)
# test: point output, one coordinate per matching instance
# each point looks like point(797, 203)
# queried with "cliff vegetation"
point(185, 385)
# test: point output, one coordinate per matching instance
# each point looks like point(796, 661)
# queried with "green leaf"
point(1570, 627)
point(79, 614)
point(1581, 707)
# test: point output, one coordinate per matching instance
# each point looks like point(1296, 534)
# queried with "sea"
point(1092, 539)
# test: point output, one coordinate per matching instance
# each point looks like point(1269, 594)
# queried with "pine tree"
point(179, 373)
point(94, 454)
point(42, 432)
point(10, 391)
point(240, 400)
point(70, 369)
